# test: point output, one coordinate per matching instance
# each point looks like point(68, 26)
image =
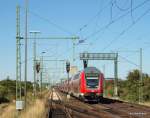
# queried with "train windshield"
point(92, 82)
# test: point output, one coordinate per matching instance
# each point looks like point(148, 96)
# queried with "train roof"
point(91, 69)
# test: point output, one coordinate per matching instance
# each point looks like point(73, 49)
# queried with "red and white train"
point(86, 85)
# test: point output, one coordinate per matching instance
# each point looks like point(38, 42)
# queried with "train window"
point(92, 74)
point(93, 78)
point(92, 82)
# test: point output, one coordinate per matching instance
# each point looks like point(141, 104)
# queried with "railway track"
point(108, 108)
point(122, 109)
point(128, 110)
point(56, 107)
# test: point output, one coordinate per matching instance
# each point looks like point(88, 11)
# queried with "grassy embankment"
point(36, 108)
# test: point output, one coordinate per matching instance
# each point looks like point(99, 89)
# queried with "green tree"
point(133, 85)
point(8, 89)
point(129, 88)
point(146, 89)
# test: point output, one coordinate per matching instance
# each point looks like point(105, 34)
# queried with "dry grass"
point(9, 112)
point(35, 111)
point(146, 104)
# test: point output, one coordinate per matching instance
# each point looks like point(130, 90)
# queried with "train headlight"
point(82, 94)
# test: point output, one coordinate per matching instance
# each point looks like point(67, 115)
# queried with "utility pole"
point(41, 69)
point(20, 70)
point(19, 102)
point(116, 76)
point(49, 81)
point(26, 51)
point(104, 86)
point(18, 56)
point(17, 49)
point(73, 41)
point(20, 85)
point(34, 60)
point(141, 79)
point(41, 72)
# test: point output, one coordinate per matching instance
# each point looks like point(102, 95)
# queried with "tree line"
point(8, 89)
point(130, 88)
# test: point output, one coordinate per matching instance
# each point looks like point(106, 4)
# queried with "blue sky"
point(81, 18)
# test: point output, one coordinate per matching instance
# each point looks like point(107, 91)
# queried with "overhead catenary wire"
point(87, 24)
point(59, 27)
point(50, 22)
point(133, 23)
point(111, 3)
point(132, 10)
point(128, 43)
point(126, 51)
point(127, 60)
point(94, 18)
point(111, 10)
point(147, 0)
point(120, 8)
point(125, 30)
point(56, 24)
point(115, 20)
point(132, 52)
point(98, 13)
point(139, 38)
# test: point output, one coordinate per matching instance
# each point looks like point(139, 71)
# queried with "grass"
point(35, 108)
point(35, 111)
point(146, 104)
point(9, 111)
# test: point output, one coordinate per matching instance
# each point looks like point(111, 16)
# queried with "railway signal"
point(85, 63)
point(68, 66)
point(68, 70)
point(37, 67)
point(34, 60)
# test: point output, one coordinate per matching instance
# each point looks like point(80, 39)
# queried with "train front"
point(91, 84)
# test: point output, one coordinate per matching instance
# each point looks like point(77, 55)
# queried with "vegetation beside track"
point(36, 108)
point(8, 90)
point(128, 89)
